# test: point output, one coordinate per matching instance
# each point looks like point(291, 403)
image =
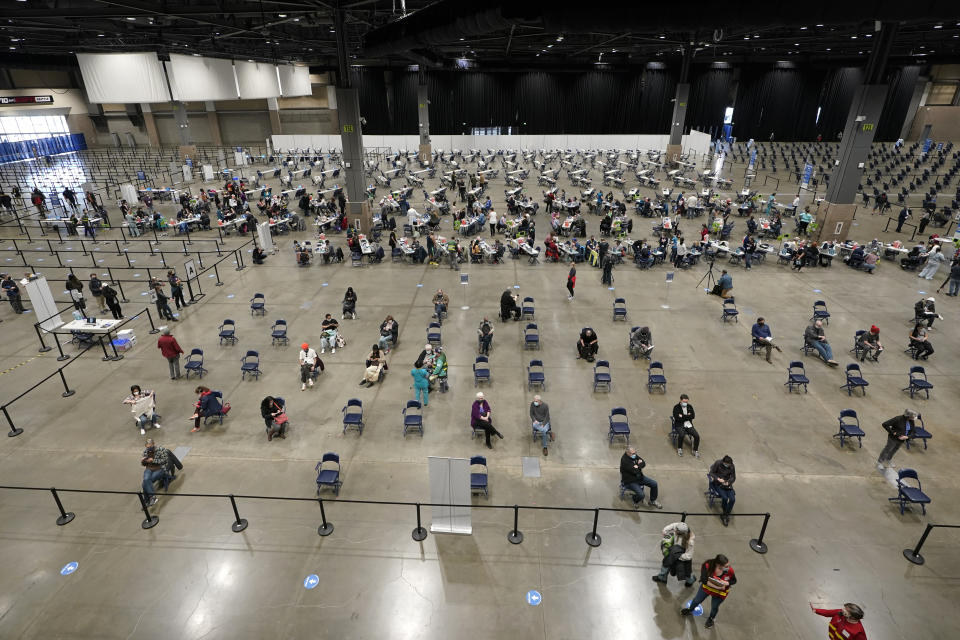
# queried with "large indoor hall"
point(523, 320)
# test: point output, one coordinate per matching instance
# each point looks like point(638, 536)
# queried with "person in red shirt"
point(571, 281)
point(844, 623)
point(716, 578)
point(171, 351)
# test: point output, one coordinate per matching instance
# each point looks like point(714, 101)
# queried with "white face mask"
point(683, 404)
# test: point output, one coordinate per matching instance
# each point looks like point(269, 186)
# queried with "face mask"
point(683, 404)
point(634, 456)
point(536, 404)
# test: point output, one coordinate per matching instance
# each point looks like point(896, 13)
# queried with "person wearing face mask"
point(683, 416)
point(844, 623)
point(763, 338)
point(157, 464)
point(722, 476)
point(633, 479)
point(309, 363)
point(677, 547)
point(716, 578)
point(540, 415)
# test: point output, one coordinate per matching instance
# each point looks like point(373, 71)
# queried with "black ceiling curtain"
point(901, 83)
point(709, 97)
point(782, 101)
point(836, 96)
point(656, 102)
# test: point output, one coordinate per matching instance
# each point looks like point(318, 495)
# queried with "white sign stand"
point(129, 193)
point(187, 173)
point(666, 296)
point(450, 484)
point(263, 233)
point(207, 173)
point(44, 306)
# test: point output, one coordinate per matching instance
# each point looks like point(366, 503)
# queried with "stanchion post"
point(757, 544)
point(419, 534)
point(57, 229)
point(50, 247)
point(153, 327)
point(66, 517)
point(119, 253)
point(67, 390)
point(326, 528)
point(43, 346)
point(83, 247)
point(683, 517)
point(217, 273)
point(150, 521)
point(593, 539)
point(515, 536)
point(14, 430)
point(62, 355)
point(239, 524)
point(913, 555)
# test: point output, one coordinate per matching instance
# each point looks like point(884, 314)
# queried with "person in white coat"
point(677, 547)
point(935, 258)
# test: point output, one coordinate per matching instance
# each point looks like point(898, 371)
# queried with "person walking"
point(898, 430)
point(421, 384)
point(481, 418)
point(953, 279)
point(176, 289)
point(112, 299)
point(716, 578)
point(935, 258)
point(844, 623)
point(902, 217)
point(607, 265)
point(676, 544)
point(571, 281)
point(162, 302)
point(171, 351)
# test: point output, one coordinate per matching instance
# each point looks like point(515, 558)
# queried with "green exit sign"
point(868, 127)
point(348, 128)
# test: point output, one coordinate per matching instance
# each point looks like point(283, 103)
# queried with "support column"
point(274, 111)
point(214, 120)
point(674, 146)
point(351, 135)
point(836, 215)
point(423, 117)
point(150, 124)
point(918, 91)
point(187, 147)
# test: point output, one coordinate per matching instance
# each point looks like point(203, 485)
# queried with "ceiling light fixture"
point(938, 26)
point(281, 15)
point(132, 19)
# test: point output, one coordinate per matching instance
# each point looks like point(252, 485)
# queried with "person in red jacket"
point(844, 623)
point(571, 281)
point(716, 578)
point(171, 351)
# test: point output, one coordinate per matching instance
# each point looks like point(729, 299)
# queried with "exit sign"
point(348, 128)
point(868, 127)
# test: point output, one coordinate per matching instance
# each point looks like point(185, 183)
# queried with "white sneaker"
point(342, 316)
point(143, 431)
point(156, 426)
point(696, 454)
point(323, 350)
point(333, 351)
point(680, 452)
point(569, 297)
point(303, 387)
point(310, 381)
point(880, 466)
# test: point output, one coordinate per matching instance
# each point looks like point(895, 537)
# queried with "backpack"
point(485, 328)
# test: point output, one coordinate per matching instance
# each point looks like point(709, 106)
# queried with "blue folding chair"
point(413, 417)
point(536, 375)
point(656, 377)
point(353, 416)
point(396, 255)
point(849, 427)
point(730, 311)
point(433, 334)
point(796, 377)
point(228, 332)
point(857, 350)
point(329, 476)
point(907, 494)
point(602, 376)
point(278, 333)
point(531, 336)
point(855, 379)
point(481, 370)
point(919, 432)
point(619, 309)
point(527, 310)
point(711, 493)
point(194, 364)
point(479, 480)
point(820, 312)
point(918, 382)
point(619, 425)
point(258, 304)
point(250, 364)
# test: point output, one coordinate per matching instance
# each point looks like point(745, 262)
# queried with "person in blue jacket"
point(762, 337)
point(208, 404)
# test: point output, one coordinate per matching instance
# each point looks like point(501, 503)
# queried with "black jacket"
point(718, 472)
point(897, 426)
point(629, 475)
point(678, 416)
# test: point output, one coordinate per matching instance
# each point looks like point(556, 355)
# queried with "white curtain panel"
point(294, 80)
point(123, 77)
point(257, 80)
point(197, 78)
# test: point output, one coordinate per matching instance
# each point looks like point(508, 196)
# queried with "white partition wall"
point(450, 484)
point(198, 78)
point(257, 80)
point(294, 80)
point(44, 306)
point(123, 77)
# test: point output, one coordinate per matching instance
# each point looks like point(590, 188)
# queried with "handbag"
point(281, 419)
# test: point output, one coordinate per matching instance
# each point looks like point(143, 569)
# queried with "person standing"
point(716, 578)
point(75, 288)
point(484, 337)
point(481, 418)
point(902, 217)
point(683, 415)
point(96, 290)
point(111, 297)
point(935, 258)
point(676, 544)
point(421, 384)
point(953, 279)
point(844, 623)
point(171, 351)
point(633, 479)
point(607, 266)
point(540, 419)
point(722, 476)
point(176, 289)
point(898, 430)
point(571, 280)
point(10, 287)
point(309, 362)
point(162, 302)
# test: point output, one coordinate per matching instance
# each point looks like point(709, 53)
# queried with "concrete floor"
point(833, 536)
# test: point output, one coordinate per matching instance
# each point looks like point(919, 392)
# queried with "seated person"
point(869, 345)
point(634, 480)
point(926, 311)
point(272, 410)
point(763, 338)
point(587, 345)
point(303, 257)
point(144, 408)
point(328, 333)
point(813, 336)
point(425, 359)
point(855, 259)
point(389, 331)
point(641, 342)
point(870, 262)
point(683, 415)
point(812, 254)
point(540, 420)
point(259, 255)
point(920, 343)
point(438, 374)
point(374, 366)
point(912, 260)
point(508, 306)
point(440, 303)
point(208, 404)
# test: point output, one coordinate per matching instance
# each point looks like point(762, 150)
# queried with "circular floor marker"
point(311, 581)
point(68, 568)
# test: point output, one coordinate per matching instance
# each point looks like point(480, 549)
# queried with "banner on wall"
point(807, 175)
point(123, 77)
point(26, 100)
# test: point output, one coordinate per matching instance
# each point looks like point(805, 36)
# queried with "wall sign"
point(348, 128)
point(26, 100)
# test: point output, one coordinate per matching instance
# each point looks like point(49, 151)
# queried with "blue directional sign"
point(68, 568)
point(807, 173)
point(311, 581)
point(534, 598)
